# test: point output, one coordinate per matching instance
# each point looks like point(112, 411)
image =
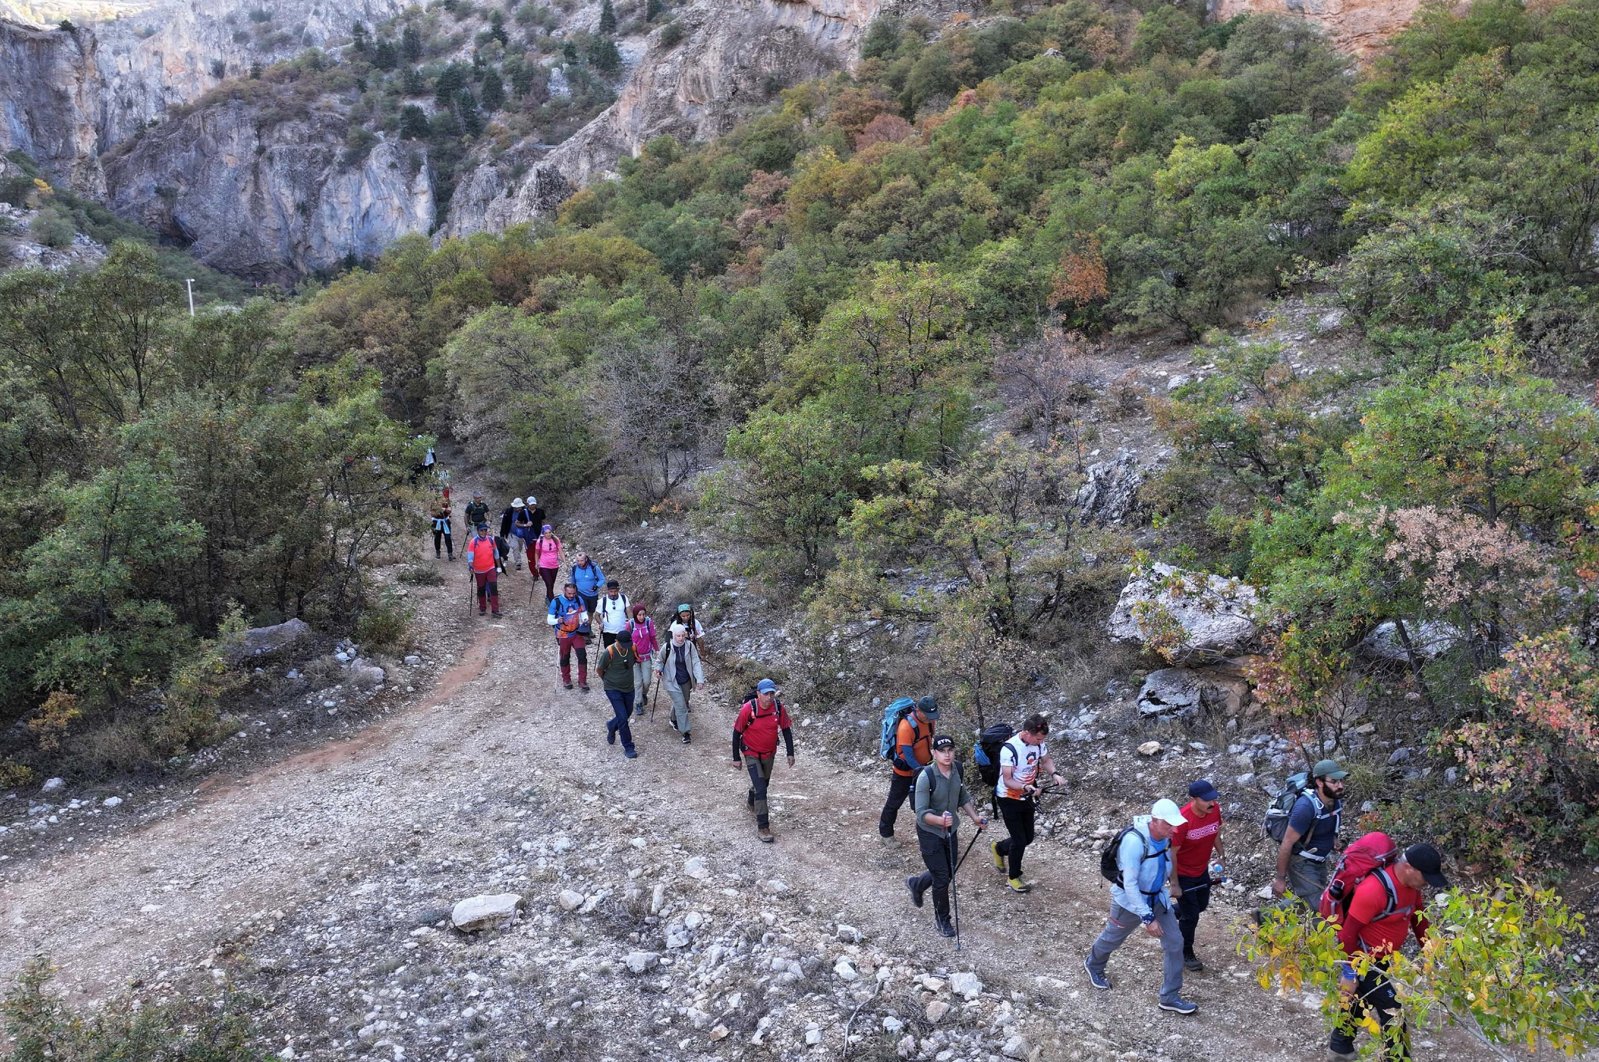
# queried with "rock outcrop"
point(1186, 617)
point(1359, 27)
point(51, 102)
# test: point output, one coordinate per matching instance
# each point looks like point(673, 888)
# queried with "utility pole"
point(191, 296)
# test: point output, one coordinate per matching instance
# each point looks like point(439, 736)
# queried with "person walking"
point(755, 733)
point(645, 643)
point(616, 678)
point(517, 528)
point(477, 511)
point(1303, 856)
point(570, 618)
point(483, 561)
point(547, 556)
point(611, 611)
point(1139, 897)
point(939, 792)
point(588, 578)
point(684, 617)
point(1021, 759)
point(913, 750)
point(1193, 843)
point(441, 528)
point(1386, 906)
point(679, 670)
point(535, 517)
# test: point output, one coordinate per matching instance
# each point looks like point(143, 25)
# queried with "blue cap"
point(1203, 790)
point(766, 686)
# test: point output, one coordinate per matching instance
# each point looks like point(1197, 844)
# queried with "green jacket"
point(939, 794)
point(616, 666)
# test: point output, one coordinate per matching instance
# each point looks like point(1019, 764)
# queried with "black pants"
point(1375, 993)
point(937, 853)
point(1019, 816)
point(589, 601)
point(1192, 903)
point(443, 537)
point(760, 768)
point(899, 790)
point(606, 639)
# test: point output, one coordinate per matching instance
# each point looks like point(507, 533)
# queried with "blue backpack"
point(892, 714)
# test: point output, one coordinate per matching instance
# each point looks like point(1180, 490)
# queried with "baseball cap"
point(685, 607)
point(547, 527)
point(1425, 858)
point(532, 500)
point(1167, 811)
point(1203, 790)
point(624, 636)
point(943, 741)
point(482, 527)
point(766, 686)
point(1329, 769)
point(928, 706)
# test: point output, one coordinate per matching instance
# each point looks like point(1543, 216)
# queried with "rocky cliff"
point(1359, 27)
point(51, 104)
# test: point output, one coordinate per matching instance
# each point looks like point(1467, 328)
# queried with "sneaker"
point(584, 686)
point(1098, 980)
point(1333, 1052)
point(568, 685)
point(631, 754)
point(610, 732)
point(765, 834)
point(496, 615)
point(1018, 885)
point(1180, 1006)
point(1192, 964)
point(945, 929)
point(685, 737)
point(999, 860)
point(916, 894)
point(673, 721)
point(482, 612)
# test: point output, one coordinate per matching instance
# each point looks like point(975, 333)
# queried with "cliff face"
point(51, 106)
point(274, 203)
point(1359, 27)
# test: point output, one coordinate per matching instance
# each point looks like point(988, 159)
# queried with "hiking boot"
point(685, 737)
point(496, 615)
point(1098, 980)
point(945, 928)
point(1192, 964)
point(610, 732)
point(765, 834)
point(1018, 885)
point(568, 685)
point(631, 754)
point(584, 686)
point(911, 883)
point(999, 860)
point(482, 612)
point(1179, 1006)
point(1333, 1052)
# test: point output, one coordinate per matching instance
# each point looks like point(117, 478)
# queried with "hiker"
point(483, 561)
point(1193, 876)
point(441, 528)
point(612, 612)
point(912, 750)
point(1387, 903)
point(516, 527)
point(685, 617)
point(535, 518)
point(755, 732)
point(477, 511)
point(642, 628)
point(570, 618)
point(679, 670)
point(939, 793)
point(1020, 761)
point(1313, 825)
point(588, 579)
point(1139, 896)
point(616, 678)
point(548, 557)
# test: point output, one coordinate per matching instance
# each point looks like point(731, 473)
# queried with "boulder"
point(1109, 494)
point(1187, 617)
point(485, 912)
point(1170, 691)
point(1431, 639)
point(263, 643)
point(366, 676)
point(641, 961)
point(966, 985)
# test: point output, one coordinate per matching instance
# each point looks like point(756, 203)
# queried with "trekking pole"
point(655, 699)
point(968, 851)
point(954, 900)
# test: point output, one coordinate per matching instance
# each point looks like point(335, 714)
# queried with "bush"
point(53, 228)
point(671, 34)
point(384, 625)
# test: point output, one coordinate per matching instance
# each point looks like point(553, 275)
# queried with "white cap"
point(532, 500)
point(1167, 811)
point(516, 503)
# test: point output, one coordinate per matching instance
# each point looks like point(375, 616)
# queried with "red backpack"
point(1373, 853)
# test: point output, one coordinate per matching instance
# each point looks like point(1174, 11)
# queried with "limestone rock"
point(1188, 617)
point(1356, 26)
point(966, 985)
point(1149, 748)
point(264, 643)
point(485, 912)
point(1431, 639)
point(936, 1010)
point(569, 899)
point(1170, 691)
point(642, 961)
point(1109, 494)
point(53, 785)
point(366, 676)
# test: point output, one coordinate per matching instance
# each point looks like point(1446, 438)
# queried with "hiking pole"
point(968, 851)
point(655, 699)
point(954, 900)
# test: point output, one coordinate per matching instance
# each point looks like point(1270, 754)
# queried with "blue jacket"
point(589, 579)
point(564, 606)
point(1149, 873)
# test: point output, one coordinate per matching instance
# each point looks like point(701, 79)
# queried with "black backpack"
point(1110, 866)
point(989, 742)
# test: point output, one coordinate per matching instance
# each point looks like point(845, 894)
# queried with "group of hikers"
point(1161, 868)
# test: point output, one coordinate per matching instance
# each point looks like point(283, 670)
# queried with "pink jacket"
point(547, 552)
point(644, 637)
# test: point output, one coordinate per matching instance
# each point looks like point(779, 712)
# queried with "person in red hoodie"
point(1386, 906)
point(755, 738)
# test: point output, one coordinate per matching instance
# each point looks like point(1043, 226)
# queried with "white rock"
point(112, 802)
point(485, 912)
point(844, 970)
point(640, 961)
point(892, 1024)
point(1210, 616)
point(413, 660)
point(570, 899)
point(696, 868)
point(1430, 639)
point(936, 1011)
point(966, 985)
point(848, 934)
point(1149, 748)
point(1017, 1047)
point(52, 785)
point(813, 1037)
point(720, 1032)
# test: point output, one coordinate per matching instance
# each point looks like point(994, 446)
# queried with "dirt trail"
point(133, 905)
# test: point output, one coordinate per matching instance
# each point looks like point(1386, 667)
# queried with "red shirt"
point(1360, 933)
point(759, 729)
point(1195, 839)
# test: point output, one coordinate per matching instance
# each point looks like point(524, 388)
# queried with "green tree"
point(411, 42)
point(607, 18)
point(493, 92)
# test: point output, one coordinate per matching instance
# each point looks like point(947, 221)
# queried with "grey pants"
point(1121, 925)
point(1307, 880)
point(679, 707)
point(641, 683)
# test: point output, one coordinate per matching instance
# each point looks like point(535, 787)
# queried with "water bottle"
point(1217, 874)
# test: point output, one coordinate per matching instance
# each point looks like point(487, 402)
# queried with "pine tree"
point(413, 122)
point(653, 9)
point(358, 38)
point(411, 43)
point(384, 56)
point(569, 53)
point(466, 105)
point(607, 18)
point(452, 79)
point(493, 92)
point(603, 55)
point(497, 28)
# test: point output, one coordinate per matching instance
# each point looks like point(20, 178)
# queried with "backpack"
point(1373, 853)
point(896, 711)
point(1110, 865)
point(1282, 804)
point(989, 741)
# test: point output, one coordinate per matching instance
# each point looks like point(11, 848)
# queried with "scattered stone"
point(261, 643)
point(485, 912)
point(936, 1011)
point(966, 985)
point(53, 785)
point(641, 961)
point(1170, 691)
point(719, 1033)
point(570, 899)
point(1149, 748)
point(892, 1024)
point(413, 660)
point(844, 970)
point(112, 802)
point(813, 1037)
point(696, 868)
point(848, 934)
point(366, 676)
point(1017, 1047)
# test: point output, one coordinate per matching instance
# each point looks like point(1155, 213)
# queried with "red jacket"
point(1364, 931)
point(758, 730)
point(480, 552)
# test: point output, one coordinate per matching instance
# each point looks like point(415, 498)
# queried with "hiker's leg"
point(1379, 997)
point(1117, 925)
point(1306, 880)
point(1195, 898)
point(449, 546)
point(481, 579)
point(589, 601)
point(582, 659)
point(624, 731)
point(1010, 811)
point(615, 697)
point(565, 642)
point(494, 593)
point(1171, 966)
point(607, 639)
point(438, 542)
point(760, 769)
point(1020, 824)
point(898, 789)
point(679, 707)
point(641, 686)
point(548, 575)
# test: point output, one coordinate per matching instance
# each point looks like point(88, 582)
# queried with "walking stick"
point(470, 589)
point(968, 851)
point(954, 900)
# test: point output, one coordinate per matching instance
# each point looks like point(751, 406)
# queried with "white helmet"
point(516, 504)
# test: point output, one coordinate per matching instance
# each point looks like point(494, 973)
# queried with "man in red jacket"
point(1385, 907)
point(755, 737)
point(483, 559)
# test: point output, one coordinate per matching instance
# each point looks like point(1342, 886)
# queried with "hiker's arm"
point(1131, 859)
point(922, 800)
point(1172, 883)
point(788, 744)
point(1047, 764)
point(1363, 906)
point(1285, 851)
point(907, 755)
point(1220, 854)
point(971, 808)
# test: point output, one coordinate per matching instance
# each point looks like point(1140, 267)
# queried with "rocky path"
point(656, 925)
